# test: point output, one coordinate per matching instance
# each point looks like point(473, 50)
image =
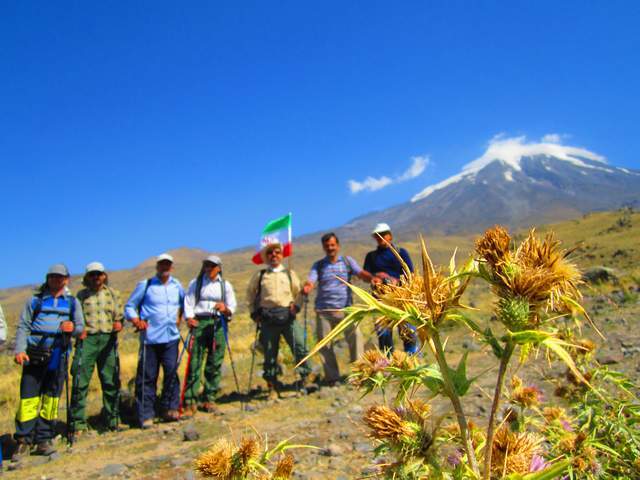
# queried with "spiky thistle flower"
point(387, 424)
point(369, 369)
point(534, 278)
point(513, 452)
point(284, 468)
point(217, 461)
point(526, 396)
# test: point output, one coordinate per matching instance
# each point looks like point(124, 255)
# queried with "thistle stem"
point(438, 351)
point(504, 363)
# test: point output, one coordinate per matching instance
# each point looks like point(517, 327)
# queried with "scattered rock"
point(600, 275)
point(250, 408)
point(54, 456)
point(610, 359)
point(178, 462)
point(190, 434)
point(355, 410)
point(470, 345)
point(332, 450)
point(362, 447)
point(113, 470)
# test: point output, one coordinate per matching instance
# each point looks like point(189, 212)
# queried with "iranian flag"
point(276, 231)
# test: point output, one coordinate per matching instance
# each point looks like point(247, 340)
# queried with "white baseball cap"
point(164, 256)
point(94, 267)
point(381, 228)
point(214, 259)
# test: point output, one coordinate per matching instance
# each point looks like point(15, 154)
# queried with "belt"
point(205, 316)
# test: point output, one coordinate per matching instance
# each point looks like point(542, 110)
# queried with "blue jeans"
point(150, 358)
point(385, 341)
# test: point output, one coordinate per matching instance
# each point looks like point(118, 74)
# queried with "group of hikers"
point(95, 316)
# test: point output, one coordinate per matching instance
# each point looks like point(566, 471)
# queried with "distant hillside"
point(609, 235)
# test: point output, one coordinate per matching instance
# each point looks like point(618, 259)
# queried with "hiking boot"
point(45, 448)
point(146, 424)
point(210, 407)
point(273, 393)
point(189, 411)
point(170, 416)
point(23, 449)
point(307, 385)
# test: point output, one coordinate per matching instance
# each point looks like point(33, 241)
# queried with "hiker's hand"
point(192, 323)
point(21, 357)
point(117, 327)
point(293, 308)
point(306, 289)
point(375, 281)
point(83, 335)
point(139, 324)
point(222, 308)
point(67, 327)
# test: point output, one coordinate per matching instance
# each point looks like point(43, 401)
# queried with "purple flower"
point(566, 426)
point(537, 464)
point(454, 458)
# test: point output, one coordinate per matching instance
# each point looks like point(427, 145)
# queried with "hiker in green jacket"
point(97, 346)
point(209, 298)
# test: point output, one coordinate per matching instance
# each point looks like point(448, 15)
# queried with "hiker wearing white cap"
point(273, 299)
point(155, 309)
point(386, 267)
point(97, 346)
point(47, 322)
point(209, 303)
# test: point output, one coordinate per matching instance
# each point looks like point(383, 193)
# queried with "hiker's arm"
point(252, 291)
point(131, 308)
point(3, 327)
point(228, 308)
point(190, 301)
point(407, 259)
point(296, 291)
point(24, 328)
point(312, 278)
point(78, 318)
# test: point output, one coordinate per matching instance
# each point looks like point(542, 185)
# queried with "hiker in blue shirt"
point(155, 309)
point(43, 341)
point(333, 295)
point(386, 267)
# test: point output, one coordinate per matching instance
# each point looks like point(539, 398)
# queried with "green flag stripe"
point(278, 224)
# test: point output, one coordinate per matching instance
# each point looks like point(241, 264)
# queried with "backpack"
point(144, 294)
point(255, 314)
point(200, 281)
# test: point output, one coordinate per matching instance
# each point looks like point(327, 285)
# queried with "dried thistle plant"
point(513, 452)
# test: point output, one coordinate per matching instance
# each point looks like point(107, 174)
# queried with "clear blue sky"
point(129, 128)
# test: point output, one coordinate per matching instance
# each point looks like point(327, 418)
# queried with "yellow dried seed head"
point(512, 451)
point(385, 423)
point(217, 461)
point(284, 468)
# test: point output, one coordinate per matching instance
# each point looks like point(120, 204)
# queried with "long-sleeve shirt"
point(279, 288)
point(3, 327)
point(159, 307)
point(49, 313)
point(332, 293)
point(384, 260)
point(101, 309)
point(210, 294)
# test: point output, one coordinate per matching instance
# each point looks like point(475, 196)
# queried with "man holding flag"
point(273, 299)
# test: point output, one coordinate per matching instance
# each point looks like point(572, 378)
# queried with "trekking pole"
point(74, 390)
point(253, 359)
point(189, 347)
point(306, 303)
point(225, 330)
point(143, 336)
point(67, 347)
point(118, 381)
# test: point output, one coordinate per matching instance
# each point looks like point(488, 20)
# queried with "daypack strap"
point(144, 295)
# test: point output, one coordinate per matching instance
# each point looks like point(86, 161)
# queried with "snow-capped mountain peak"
point(511, 151)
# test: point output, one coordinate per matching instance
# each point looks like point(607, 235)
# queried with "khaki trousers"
point(326, 320)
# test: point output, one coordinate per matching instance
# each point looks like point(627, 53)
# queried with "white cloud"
point(369, 183)
point(418, 165)
point(554, 138)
